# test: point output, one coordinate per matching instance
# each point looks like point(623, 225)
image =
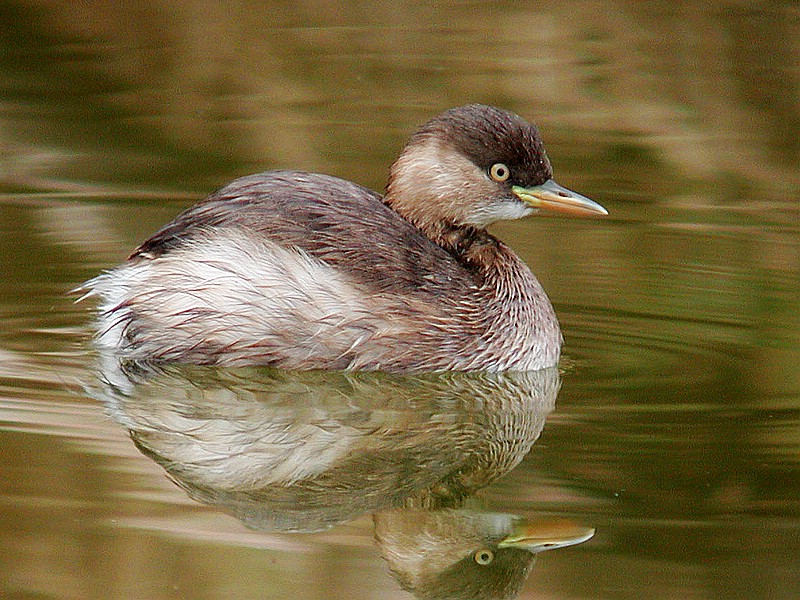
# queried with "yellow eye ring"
point(499, 172)
point(484, 557)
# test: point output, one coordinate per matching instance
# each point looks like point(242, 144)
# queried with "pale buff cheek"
point(417, 177)
point(432, 183)
point(446, 186)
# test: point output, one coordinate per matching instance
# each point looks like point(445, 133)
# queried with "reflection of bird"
point(303, 451)
point(306, 271)
point(467, 554)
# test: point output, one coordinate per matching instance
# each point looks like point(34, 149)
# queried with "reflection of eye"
point(499, 172)
point(484, 557)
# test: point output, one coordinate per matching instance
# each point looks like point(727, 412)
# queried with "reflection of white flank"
point(305, 450)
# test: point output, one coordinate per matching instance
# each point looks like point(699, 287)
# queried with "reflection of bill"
point(304, 451)
point(465, 553)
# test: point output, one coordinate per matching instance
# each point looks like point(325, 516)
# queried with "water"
point(676, 431)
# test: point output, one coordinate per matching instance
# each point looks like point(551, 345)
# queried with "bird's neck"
point(475, 248)
point(469, 245)
point(495, 267)
point(517, 322)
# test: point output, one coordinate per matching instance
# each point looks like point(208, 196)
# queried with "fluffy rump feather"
point(227, 298)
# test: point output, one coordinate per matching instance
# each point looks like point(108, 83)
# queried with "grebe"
point(306, 271)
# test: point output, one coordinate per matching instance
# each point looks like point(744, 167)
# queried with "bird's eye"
point(499, 172)
point(484, 557)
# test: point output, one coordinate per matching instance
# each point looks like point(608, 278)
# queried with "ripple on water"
point(637, 349)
